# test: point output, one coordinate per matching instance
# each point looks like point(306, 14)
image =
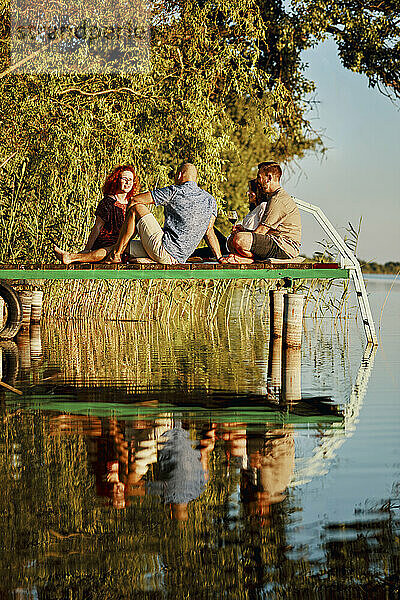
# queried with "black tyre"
point(14, 310)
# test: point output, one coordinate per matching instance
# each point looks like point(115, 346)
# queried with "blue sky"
point(360, 175)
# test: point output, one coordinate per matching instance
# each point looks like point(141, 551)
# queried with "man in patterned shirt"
point(190, 214)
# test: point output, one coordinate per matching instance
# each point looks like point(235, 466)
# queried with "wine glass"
point(232, 216)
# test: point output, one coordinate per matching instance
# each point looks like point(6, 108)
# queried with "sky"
point(360, 174)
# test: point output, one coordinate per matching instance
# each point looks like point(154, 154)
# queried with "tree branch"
point(102, 92)
point(20, 63)
point(3, 164)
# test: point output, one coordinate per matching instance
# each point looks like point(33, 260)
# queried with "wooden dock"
point(289, 271)
point(259, 270)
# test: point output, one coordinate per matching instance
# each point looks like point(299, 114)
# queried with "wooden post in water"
point(36, 343)
point(2, 305)
point(37, 301)
point(26, 301)
point(274, 378)
point(292, 333)
point(293, 320)
point(24, 347)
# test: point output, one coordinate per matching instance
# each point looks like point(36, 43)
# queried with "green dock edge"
point(65, 405)
point(20, 274)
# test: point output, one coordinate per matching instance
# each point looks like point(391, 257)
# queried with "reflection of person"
point(182, 471)
point(122, 462)
point(278, 233)
point(118, 188)
point(270, 471)
point(190, 214)
point(106, 448)
point(110, 463)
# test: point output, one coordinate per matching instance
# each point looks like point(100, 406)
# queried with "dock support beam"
point(291, 359)
point(274, 379)
point(284, 358)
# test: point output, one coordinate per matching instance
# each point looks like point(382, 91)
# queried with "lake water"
point(155, 460)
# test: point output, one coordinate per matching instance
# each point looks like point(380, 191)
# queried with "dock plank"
point(199, 271)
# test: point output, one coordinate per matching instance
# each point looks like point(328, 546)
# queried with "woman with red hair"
point(119, 187)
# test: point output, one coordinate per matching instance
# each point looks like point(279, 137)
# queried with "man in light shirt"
point(277, 232)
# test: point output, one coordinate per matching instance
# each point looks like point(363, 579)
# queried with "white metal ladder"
point(347, 261)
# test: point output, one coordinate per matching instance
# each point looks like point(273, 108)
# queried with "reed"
point(96, 351)
point(142, 300)
point(329, 297)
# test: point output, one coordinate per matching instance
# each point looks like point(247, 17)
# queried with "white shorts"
point(150, 243)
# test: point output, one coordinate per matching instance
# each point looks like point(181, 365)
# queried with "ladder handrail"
point(352, 264)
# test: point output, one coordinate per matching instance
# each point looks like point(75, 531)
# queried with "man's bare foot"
point(62, 255)
point(235, 259)
point(113, 259)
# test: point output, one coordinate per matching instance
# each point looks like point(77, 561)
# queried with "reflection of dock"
point(19, 358)
point(139, 391)
point(80, 408)
point(116, 370)
point(199, 405)
point(333, 437)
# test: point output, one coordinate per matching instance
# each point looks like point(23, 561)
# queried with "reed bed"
point(327, 298)
point(330, 297)
point(159, 353)
point(191, 305)
point(138, 300)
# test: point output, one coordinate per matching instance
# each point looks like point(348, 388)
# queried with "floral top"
point(112, 212)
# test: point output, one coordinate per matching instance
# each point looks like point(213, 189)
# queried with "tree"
point(366, 34)
point(225, 88)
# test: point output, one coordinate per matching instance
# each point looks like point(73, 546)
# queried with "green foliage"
point(70, 130)
point(225, 88)
point(366, 33)
point(253, 146)
point(373, 267)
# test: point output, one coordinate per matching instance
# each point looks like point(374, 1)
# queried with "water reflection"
point(169, 382)
point(170, 459)
point(150, 461)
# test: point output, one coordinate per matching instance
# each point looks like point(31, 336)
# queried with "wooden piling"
point(291, 360)
point(37, 302)
point(26, 301)
point(24, 348)
point(291, 375)
point(276, 307)
point(274, 377)
point(293, 320)
point(35, 343)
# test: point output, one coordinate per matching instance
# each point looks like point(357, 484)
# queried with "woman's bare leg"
point(80, 257)
point(133, 214)
point(126, 232)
